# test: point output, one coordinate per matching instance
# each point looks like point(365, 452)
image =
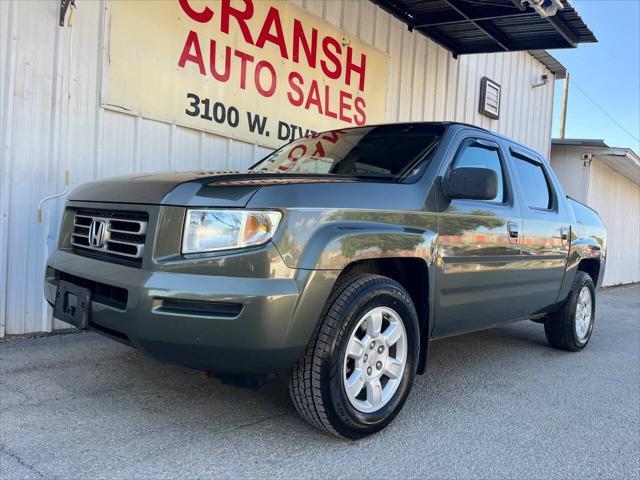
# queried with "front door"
point(478, 250)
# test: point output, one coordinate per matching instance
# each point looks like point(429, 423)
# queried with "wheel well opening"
point(591, 266)
point(412, 274)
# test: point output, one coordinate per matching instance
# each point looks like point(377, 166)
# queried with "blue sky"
point(609, 71)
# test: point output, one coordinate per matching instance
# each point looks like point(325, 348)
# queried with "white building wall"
point(50, 120)
point(617, 200)
point(614, 197)
point(569, 167)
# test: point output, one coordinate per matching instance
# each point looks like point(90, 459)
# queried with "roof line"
point(551, 62)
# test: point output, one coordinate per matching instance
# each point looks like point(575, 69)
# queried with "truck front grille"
point(112, 236)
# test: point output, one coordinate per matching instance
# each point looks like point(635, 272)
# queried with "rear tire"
point(361, 360)
point(570, 328)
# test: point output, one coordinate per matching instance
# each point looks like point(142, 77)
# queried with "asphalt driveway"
point(495, 404)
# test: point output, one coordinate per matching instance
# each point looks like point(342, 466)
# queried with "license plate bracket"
point(73, 304)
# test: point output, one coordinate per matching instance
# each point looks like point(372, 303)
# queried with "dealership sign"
point(260, 71)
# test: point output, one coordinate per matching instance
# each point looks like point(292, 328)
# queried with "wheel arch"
point(590, 266)
point(339, 248)
point(413, 274)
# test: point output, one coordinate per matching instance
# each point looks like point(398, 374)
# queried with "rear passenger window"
point(534, 182)
point(481, 154)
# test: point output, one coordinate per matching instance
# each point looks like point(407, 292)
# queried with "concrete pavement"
point(495, 404)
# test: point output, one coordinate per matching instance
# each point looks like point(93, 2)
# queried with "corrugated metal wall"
point(50, 120)
point(605, 190)
point(569, 167)
point(608, 192)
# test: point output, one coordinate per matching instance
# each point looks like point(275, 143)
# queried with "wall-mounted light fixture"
point(544, 80)
point(544, 8)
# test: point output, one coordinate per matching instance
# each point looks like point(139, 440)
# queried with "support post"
point(565, 98)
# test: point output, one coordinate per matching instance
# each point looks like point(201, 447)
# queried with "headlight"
point(212, 230)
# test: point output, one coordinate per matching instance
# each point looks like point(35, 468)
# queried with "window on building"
point(534, 182)
point(481, 154)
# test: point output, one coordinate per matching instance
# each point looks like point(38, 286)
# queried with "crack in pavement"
point(257, 422)
point(28, 466)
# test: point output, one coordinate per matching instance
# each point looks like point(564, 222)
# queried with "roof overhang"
point(551, 62)
point(477, 26)
point(623, 160)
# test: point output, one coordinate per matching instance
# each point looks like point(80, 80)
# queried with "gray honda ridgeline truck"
point(336, 258)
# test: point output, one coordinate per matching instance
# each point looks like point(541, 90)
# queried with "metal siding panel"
point(186, 149)
point(452, 89)
point(7, 64)
point(155, 147)
point(406, 75)
point(505, 81)
point(215, 152)
point(429, 105)
point(608, 190)
point(512, 99)
point(315, 6)
point(395, 64)
point(520, 99)
point(441, 84)
point(525, 135)
point(118, 137)
point(34, 93)
point(240, 155)
point(349, 20)
point(333, 12)
point(418, 81)
point(471, 107)
point(382, 26)
point(460, 96)
point(573, 175)
point(366, 22)
point(261, 152)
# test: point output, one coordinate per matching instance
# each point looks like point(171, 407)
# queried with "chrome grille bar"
point(110, 234)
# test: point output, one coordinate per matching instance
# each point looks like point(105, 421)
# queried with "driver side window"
point(481, 154)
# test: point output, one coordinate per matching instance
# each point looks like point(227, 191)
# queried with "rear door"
point(477, 276)
point(546, 231)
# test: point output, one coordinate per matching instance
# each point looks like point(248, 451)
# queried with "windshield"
point(387, 152)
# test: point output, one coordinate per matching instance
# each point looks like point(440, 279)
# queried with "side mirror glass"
point(471, 183)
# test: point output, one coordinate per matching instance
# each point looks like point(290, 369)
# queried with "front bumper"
point(257, 340)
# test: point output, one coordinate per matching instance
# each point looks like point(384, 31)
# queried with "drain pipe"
point(51, 197)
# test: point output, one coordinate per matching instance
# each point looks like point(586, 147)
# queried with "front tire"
point(570, 328)
point(360, 363)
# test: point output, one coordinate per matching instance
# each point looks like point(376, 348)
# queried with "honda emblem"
point(97, 233)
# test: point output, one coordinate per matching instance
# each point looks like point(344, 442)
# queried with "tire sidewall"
point(386, 294)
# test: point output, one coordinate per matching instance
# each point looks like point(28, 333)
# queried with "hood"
point(211, 189)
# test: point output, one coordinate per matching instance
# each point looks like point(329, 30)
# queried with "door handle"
point(514, 230)
point(564, 234)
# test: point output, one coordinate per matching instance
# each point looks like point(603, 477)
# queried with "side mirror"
point(471, 183)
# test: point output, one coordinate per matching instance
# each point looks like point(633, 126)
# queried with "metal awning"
point(623, 160)
point(483, 26)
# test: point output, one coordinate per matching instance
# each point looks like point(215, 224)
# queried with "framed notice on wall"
point(263, 72)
